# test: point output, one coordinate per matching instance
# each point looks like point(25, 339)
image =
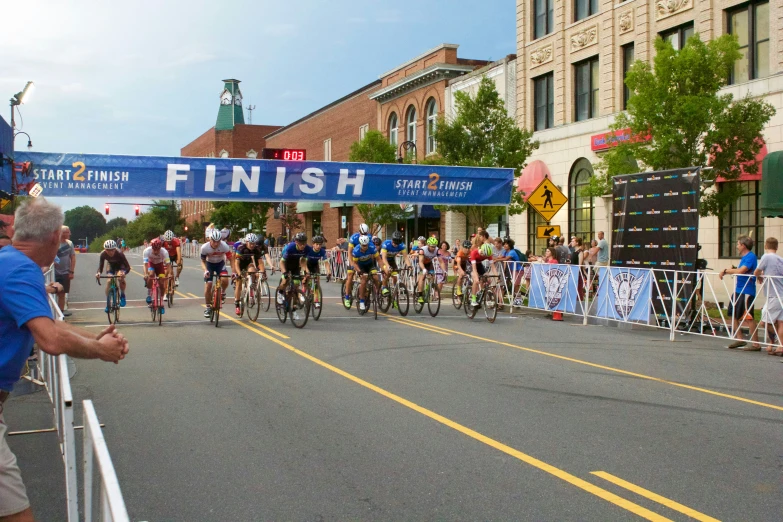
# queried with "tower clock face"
point(238, 99)
point(225, 98)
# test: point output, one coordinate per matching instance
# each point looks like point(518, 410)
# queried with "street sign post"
point(547, 231)
point(547, 199)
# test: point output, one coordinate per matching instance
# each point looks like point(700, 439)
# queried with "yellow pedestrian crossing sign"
point(547, 199)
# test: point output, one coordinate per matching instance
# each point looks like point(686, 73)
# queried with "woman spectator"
point(550, 256)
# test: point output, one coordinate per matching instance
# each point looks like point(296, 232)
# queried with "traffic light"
point(137, 210)
point(107, 209)
point(186, 228)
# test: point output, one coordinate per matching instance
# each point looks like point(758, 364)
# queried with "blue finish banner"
point(624, 294)
point(93, 175)
point(553, 287)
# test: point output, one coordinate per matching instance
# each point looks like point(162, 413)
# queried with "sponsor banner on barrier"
point(94, 175)
point(553, 287)
point(624, 294)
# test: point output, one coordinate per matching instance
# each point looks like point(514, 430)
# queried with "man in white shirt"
point(771, 264)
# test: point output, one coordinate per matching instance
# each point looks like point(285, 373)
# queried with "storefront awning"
point(307, 206)
point(771, 198)
point(747, 176)
point(338, 204)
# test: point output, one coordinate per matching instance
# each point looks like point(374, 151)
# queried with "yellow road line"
point(543, 466)
point(607, 368)
point(181, 294)
point(417, 326)
point(655, 497)
point(194, 295)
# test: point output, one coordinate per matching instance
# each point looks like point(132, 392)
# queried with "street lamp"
point(410, 146)
point(20, 98)
point(29, 139)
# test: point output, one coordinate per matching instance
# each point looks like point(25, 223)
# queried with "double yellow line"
point(508, 450)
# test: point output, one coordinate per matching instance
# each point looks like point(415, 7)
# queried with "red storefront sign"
point(606, 140)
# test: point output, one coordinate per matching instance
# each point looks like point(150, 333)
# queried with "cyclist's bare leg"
point(208, 293)
point(238, 287)
point(362, 286)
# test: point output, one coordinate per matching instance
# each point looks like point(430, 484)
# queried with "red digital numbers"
point(284, 154)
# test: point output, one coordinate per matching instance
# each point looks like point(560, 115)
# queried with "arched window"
point(581, 206)
point(393, 129)
point(432, 121)
point(410, 133)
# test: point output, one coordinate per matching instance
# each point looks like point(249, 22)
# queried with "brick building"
point(229, 138)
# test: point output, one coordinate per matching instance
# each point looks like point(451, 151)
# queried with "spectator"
point(64, 268)
point(591, 256)
point(271, 240)
point(550, 256)
point(455, 250)
point(561, 251)
point(572, 245)
point(4, 241)
point(26, 317)
point(281, 240)
point(603, 251)
point(741, 304)
point(771, 264)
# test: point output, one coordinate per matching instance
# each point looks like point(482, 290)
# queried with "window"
point(432, 122)
point(544, 101)
point(580, 206)
point(587, 82)
point(363, 130)
point(251, 154)
point(544, 17)
point(742, 219)
point(224, 153)
point(534, 219)
point(316, 224)
point(628, 52)
point(751, 26)
point(678, 36)
point(584, 8)
point(328, 149)
point(393, 129)
point(410, 134)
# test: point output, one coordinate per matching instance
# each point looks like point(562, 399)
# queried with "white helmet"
point(364, 240)
point(225, 233)
point(168, 235)
point(364, 229)
point(109, 244)
point(251, 238)
point(215, 235)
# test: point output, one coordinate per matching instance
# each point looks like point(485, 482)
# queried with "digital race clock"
point(284, 154)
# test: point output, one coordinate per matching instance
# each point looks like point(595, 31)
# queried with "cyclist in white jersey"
point(156, 264)
point(426, 256)
point(213, 261)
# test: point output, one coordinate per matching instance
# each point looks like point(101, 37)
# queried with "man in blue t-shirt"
point(741, 305)
point(26, 317)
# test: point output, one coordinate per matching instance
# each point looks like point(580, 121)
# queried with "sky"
point(144, 77)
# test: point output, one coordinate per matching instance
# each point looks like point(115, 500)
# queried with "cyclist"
point(479, 252)
point(174, 247)
point(389, 250)
point(213, 261)
point(426, 256)
point(294, 256)
point(117, 265)
point(461, 265)
point(364, 259)
point(318, 252)
point(156, 264)
point(353, 242)
point(249, 258)
point(420, 243)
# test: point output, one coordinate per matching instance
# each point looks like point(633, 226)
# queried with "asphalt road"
point(424, 419)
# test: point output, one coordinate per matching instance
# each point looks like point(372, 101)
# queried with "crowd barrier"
point(53, 372)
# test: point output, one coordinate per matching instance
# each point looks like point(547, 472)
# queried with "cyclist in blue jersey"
point(353, 242)
point(317, 253)
point(363, 258)
point(389, 250)
point(293, 258)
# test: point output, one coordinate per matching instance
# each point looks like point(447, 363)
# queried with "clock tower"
point(230, 112)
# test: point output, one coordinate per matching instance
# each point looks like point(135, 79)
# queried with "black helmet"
point(376, 241)
point(319, 240)
point(397, 236)
point(300, 237)
point(466, 244)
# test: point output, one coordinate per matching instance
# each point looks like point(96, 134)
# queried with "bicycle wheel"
point(401, 298)
point(300, 308)
point(374, 296)
point(253, 302)
point(282, 309)
point(342, 297)
point(470, 310)
point(217, 301)
point(154, 304)
point(385, 301)
point(110, 304)
point(490, 305)
point(456, 300)
point(418, 306)
point(263, 296)
point(433, 300)
point(316, 299)
point(170, 293)
point(116, 305)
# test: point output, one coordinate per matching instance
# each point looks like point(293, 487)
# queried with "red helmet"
point(156, 244)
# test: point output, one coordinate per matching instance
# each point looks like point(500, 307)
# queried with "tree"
point(237, 215)
point(677, 103)
point(291, 220)
point(482, 134)
point(116, 223)
point(85, 221)
point(375, 148)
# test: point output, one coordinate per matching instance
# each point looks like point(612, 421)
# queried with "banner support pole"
point(672, 322)
point(586, 302)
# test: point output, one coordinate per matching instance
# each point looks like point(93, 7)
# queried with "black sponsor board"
point(655, 224)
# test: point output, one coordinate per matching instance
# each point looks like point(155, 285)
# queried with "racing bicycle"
point(112, 299)
point(485, 298)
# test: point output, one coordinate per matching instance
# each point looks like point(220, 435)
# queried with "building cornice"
point(419, 57)
point(432, 74)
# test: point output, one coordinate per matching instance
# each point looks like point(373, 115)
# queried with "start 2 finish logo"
point(78, 176)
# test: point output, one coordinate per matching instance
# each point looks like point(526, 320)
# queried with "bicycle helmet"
point(251, 238)
point(318, 240)
point(376, 241)
point(214, 235)
point(364, 240)
point(397, 237)
point(300, 237)
point(432, 241)
point(467, 244)
point(156, 244)
point(109, 244)
point(225, 233)
point(364, 229)
point(421, 238)
point(486, 250)
point(168, 235)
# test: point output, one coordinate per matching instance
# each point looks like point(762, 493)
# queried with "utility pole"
point(250, 109)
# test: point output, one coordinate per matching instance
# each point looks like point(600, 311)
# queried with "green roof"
point(230, 112)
